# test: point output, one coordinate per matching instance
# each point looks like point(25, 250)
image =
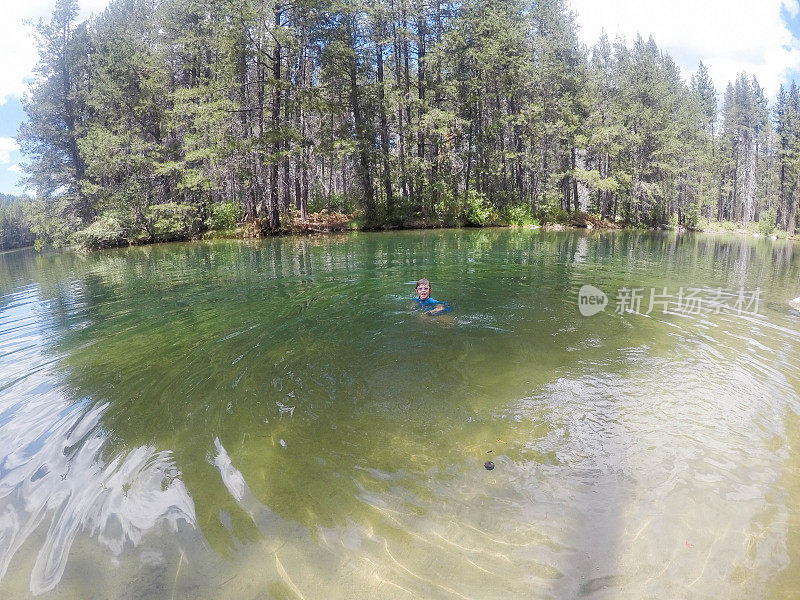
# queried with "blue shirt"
point(431, 303)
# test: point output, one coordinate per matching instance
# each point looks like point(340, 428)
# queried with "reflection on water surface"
point(275, 419)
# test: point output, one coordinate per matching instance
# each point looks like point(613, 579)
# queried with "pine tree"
point(398, 110)
point(56, 108)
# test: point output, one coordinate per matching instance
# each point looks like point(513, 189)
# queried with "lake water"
point(275, 419)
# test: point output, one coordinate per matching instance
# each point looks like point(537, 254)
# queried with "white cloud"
point(17, 45)
point(729, 36)
point(15, 168)
point(7, 146)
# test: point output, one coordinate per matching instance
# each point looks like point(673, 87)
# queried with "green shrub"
point(766, 224)
point(553, 213)
point(476, 211)
point(446, 209)
point(171, 221)
point(673, 220)
point(106, 232)
point(691, 217)
point(224, 216)
point(51, 222)
point(519, 215)
point(655, 217)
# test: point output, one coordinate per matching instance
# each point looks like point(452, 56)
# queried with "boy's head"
point(423, 289)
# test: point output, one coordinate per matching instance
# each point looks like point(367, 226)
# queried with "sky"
point(18, 49)
point(760, 37)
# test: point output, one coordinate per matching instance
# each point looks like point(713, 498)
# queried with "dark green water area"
point(276, 419)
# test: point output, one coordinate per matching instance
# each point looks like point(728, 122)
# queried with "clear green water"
point(274, 419)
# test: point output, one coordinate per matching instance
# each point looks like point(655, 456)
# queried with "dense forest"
point(159, 119)
point(15, 231)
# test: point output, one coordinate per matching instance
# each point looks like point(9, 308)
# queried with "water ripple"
point(235, 419)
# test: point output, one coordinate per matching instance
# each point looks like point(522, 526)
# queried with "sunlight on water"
point(276, 419)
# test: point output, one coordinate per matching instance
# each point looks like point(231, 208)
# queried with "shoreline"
point(241, 233)
point(313, 228)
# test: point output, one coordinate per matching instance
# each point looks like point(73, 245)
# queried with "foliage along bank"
point(159, 119)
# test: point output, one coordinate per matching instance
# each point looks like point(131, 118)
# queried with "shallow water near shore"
point(275, 419)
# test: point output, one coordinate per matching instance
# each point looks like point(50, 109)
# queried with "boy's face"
point(423, 291)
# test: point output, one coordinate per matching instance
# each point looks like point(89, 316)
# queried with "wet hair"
point(422, 281)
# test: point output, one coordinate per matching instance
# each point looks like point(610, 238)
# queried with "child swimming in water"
point(424, 299)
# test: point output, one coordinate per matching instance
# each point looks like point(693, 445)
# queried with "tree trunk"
point(387, 176)
point(421, 96)
point(273, 207)
point(361, 129)
point(400, 116)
